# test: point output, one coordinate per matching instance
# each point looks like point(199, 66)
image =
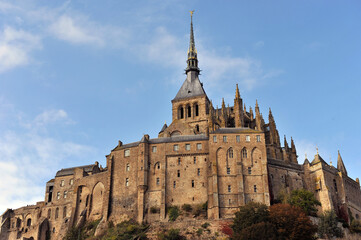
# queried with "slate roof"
point(70, 171)
point(236, 130)
point(190, 88)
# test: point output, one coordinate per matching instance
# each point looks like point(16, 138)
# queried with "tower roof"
point(340, 165)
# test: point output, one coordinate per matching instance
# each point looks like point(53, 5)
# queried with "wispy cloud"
point(30, 157)
point(15, 47)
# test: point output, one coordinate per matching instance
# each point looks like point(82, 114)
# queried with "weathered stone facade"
point(223, 157)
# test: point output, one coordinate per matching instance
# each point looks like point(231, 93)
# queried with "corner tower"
point(190, 106)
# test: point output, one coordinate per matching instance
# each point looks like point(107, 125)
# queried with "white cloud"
point(28, 157)
point(66, 28)
point(15, 47)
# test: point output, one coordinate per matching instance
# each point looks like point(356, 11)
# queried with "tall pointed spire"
point(340, 165)
point(192, 61)
point(238, 96)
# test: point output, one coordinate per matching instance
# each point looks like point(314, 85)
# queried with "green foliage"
point(154, 210)
point(328, 225)
point(126, 230)
point(187, 207)
point(355, 226)
point(248, 215)
point(305, 200)
point(173, 213)
point(205, 225)
point(199, 231)
point(82, 232)
point(171, 234)
point(200, 209)
point(262, 230)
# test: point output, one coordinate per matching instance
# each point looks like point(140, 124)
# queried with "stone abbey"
point(224, 157)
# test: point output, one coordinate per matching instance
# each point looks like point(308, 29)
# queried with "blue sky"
point(77, 76)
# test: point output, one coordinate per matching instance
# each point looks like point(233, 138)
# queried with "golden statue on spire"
point(191, 13)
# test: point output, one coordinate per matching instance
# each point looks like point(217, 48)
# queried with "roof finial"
point(317, 150)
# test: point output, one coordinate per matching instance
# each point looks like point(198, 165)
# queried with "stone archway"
point(97, 201)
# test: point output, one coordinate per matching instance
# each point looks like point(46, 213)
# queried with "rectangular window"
point(128, 167)
point(192, 183)
point(127, 153)
point(179, 161)
point(229, 188)
point(249, 170)
point(65, 194)
point(154, 149)
point(58, 195)
point(71, 181)
point(229, 201)
point(175, 147)
point(188, 147)
point(238, 138)
point(199, 146)
point(174, 184)
point(258, 138)
point(127, 182)
point(157, 181)
point(195, 160)
point(62, 183)
point(198, 171)
point(248, 138)
point(178, 173)
point(228, 170)
point(224, 138)
point(214, 139)
point(255, 188)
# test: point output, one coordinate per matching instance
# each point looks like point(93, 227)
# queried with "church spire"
point(192, 61)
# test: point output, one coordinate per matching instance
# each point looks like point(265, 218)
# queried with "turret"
point(340, 165)
point(238, 112)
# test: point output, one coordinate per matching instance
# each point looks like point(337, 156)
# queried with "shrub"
point(126, 230)
point(171, 234)
point(355, 226)
point(262, 230)
point(226, 229)
point(205, 225)
point(187, 207)
point(199, 231)
point(305, 200)
point(328, 225)
point(173, 213)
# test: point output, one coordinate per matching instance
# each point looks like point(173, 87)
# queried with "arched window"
point(28, 223)
point(197, 128)
point(64, 212)
point(189, 111)
point(56, 213)
point(180, 112)
point(230, 153)
point(18, 222)
point(244, 153)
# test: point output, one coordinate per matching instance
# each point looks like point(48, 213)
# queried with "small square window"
point(158, 181)
point(58, 195)
point(228, 170)
point(229, 188)
point(224, 138)
point(154, 149)
point(62, 183)
point(195, 160)
point(258, 138)
point(215, 139)
point(199, 146)
point(127, 167)
point(71, 182)
point(255, 188)
point(179, 161)
point(127, 153)
point(238, 138)
point(188, 147)
point(176, 147)
point(198, 171)
point(65, 194)
point(248, 138)
point(249, 170)
point(192, 183)
point(178, 173)
point(174, 184)
point(127, 182)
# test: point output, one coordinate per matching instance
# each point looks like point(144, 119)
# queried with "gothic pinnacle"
point(238, 96)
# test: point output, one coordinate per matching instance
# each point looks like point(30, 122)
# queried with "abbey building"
point(223, 158)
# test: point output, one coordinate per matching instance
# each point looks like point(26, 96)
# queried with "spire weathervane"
point(191, 13)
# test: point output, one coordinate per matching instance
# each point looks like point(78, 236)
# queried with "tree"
point(262, 230)
point(355, 226)
point(328, 225)
point(248, 215)
point(305, 200)
point(291, 222)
